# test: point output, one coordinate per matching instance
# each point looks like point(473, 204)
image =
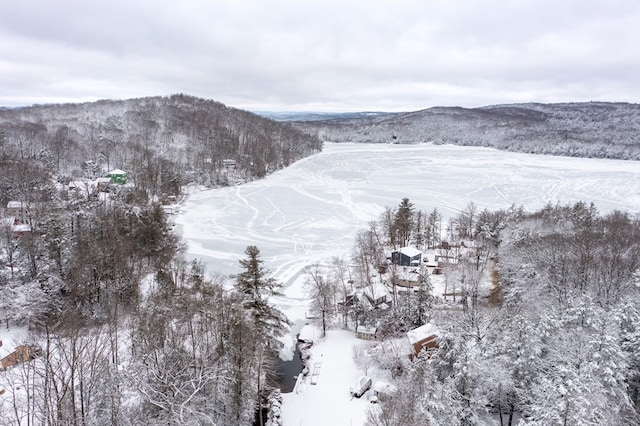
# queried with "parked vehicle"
point(363, 385)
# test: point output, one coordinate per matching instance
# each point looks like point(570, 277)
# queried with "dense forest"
point(162, 143)
point(594, 129)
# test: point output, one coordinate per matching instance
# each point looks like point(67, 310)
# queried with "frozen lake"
point(311, 211)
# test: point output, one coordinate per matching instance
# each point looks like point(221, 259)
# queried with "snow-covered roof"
point(21, 228)
point(84, 184)
point(383, 387)
point(117, 172)
point(376, 291)
point(410, 251)
point(366, 330)
point(16, 205)
point(410, 275)
point(421, 333)
point(11, 339)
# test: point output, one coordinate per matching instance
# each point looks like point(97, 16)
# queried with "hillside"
point(158, 141)
point(599, 130)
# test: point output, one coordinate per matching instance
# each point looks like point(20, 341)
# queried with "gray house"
point(407, 256)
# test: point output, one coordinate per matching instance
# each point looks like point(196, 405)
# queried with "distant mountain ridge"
point(591, 129)
point(317, 116)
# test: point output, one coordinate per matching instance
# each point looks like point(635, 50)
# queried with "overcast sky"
point(323, 55)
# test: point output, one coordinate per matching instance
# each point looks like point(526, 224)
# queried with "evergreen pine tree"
point(256, 289)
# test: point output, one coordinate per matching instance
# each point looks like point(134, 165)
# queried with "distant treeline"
point(594, 129)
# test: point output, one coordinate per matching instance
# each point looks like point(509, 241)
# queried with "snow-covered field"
point(322, 398)
point(311, 211)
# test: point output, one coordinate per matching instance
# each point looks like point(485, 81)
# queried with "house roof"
point(410, 251)
point(418, 334)
point(116, 172)
point(376, 291)
point(407, 273)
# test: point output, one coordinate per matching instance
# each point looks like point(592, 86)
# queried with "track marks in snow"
point(311, 211)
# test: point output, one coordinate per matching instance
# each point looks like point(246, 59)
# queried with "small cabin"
point(19, 355)
point(408, 277)
point(229, 164)
point(377, 294)
point(422, 338)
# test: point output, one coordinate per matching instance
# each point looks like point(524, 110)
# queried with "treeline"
point(161, 142)
point(595, 129)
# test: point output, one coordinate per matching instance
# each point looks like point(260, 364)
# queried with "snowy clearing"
point(323, 399)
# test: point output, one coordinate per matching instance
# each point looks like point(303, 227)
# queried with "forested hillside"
point(161, 142)
point(119, 327)
point(596, 129)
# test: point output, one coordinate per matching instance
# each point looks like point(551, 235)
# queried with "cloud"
point(321, 55)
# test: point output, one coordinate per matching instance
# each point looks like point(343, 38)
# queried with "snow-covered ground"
point(323, 399)
point(310, 211)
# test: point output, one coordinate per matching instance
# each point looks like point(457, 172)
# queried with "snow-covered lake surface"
point(311, 211)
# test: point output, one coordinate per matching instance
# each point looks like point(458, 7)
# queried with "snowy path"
point(311, 211)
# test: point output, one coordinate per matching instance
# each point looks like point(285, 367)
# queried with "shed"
point(20, 229)
point(366, 333)
point(229, 164)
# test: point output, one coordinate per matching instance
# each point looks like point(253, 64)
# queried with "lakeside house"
point(407, 256)
point(118, 176)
